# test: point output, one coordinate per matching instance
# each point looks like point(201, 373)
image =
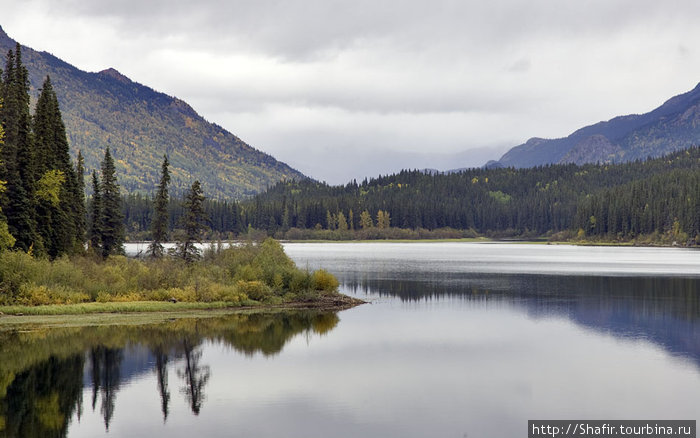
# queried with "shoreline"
point(107, 313)
point(482, 239)
point(534, 241)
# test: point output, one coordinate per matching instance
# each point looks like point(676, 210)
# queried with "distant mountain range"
point(140, 124)
point(672, 126)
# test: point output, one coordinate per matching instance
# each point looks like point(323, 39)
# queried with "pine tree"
point(79, 209)
point(95, 219)
point(159, 225)
point(59, 199)
point(112, 219)
point(192, 223)
point(6, 239)
point(19, 170)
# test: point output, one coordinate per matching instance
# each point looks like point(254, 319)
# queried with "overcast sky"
point(348, 89)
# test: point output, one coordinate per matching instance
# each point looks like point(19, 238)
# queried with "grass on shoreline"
point(111, 307)
point(137, 313)
point(324, 301)
point(247, 275)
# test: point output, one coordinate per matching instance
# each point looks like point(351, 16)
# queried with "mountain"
point(140, 124)
point(672, 126)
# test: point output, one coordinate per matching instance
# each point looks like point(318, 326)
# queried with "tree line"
point(621, 201)
point(606, 201)
point(43, 210)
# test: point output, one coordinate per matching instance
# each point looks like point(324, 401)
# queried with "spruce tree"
point(6, 239)
point(192, 223)
point(95, 218)
point(112, 223)
point(19, 166)
point(159, 225)
point(58, 200)
point(79, 209)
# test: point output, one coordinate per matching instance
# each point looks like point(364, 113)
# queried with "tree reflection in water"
point(41, 371)
point(162, 376)
point(106, 372)
point(194, 375)
point(40, 400)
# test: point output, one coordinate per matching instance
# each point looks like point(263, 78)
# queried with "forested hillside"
point(641, 197)
point(140, 125)
point(658, 199)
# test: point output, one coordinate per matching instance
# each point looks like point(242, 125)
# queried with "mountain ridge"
point(672, 126)
point(140, 125)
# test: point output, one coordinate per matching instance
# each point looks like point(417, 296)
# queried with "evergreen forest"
point(652, 201)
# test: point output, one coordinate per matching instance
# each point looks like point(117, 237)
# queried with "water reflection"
point(106, 376)
point(195, 376)
point(162, 377)
point(664, 310)
point(40, 400)
point(43, 371)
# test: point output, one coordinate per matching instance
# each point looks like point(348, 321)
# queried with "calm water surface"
point(458, 340)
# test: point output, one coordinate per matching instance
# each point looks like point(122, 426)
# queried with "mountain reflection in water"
point(663, 310)
point(43, 371)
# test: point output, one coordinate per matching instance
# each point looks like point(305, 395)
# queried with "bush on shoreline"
point(245, 275)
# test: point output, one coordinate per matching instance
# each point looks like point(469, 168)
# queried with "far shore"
point(524, 241)
point(514, 240)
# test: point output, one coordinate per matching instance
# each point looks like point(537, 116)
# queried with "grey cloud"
point(372, 103)
point(521, 65)
point(308, 28)
point(396, 76)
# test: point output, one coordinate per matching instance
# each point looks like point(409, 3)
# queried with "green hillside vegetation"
point(140, 125)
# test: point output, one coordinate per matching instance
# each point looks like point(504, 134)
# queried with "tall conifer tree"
point(159, 225)
point(80, 211)
point(112, 223)
point(19, 166)
point(193, 224)
point(95, 218)
point(58, 200)
point(6, 239)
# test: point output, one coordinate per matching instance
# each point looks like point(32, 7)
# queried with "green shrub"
point(248, 273)
point(256, 290)
point(324, 280)
point(299, 281)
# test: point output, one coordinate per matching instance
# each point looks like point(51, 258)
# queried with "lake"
point(458, 340)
